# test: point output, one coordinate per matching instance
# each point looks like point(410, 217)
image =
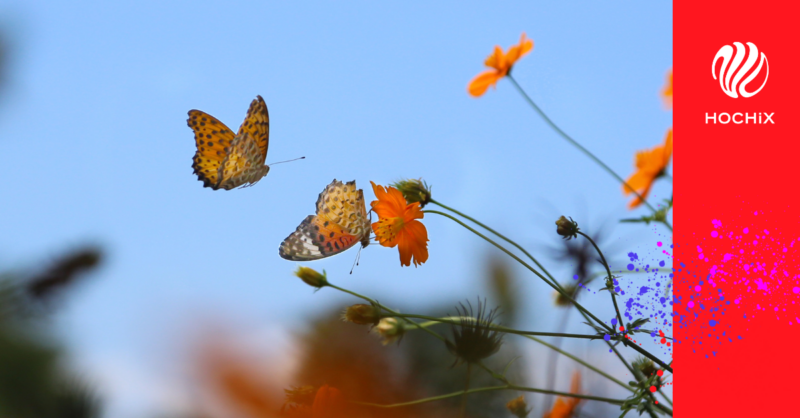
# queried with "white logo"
point(730, 76)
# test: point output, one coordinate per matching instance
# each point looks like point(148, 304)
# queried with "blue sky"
point(93, 130)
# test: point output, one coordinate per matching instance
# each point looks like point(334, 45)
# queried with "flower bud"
point(390, 329)
point(300, 395)
point(362, 314)
point(567, 228)
point(414, 191)
point(518, 407)
point(563, 301)
point(312, 277)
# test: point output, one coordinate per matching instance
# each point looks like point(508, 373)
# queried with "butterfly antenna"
point(288, 161)
point(355, 263)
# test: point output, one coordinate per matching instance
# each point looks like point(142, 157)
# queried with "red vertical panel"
point(737, 213)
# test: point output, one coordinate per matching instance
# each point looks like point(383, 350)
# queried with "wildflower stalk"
point(610, 283)
point(554, 348)
point(466, 392)
point(492, 388)
point(473, 220)
point(394, 313)
point(587, 365)
point(639, 377)
point(455, 321)
point(579, 146)
point(664, 395)
point(519, 260)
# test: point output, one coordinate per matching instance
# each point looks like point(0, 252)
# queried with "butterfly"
point(225, 161)
point(341, 222)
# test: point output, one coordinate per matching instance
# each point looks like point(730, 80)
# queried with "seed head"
point(473, 341)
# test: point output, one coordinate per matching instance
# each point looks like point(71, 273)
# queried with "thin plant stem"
point(493, 388)
point(370, 300)
point(466, 392)
point(664, 395)
point(557, 350)
point(610, 278)
point(417, 325)
point(639, 376)
point(456, 321)
point(585, 364)
point(499, 236)
point(432, 398)
point(519, 260)
point(579, 146)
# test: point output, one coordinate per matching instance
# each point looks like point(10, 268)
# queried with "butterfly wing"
point(256, 124)
point(339, 224)
point(314, 239)
point(211, 137)
point(343, 204)
point(243, 165)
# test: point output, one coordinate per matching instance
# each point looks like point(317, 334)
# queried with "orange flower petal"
point(478, 86)
point(328, 403)
point(666, 93)
point(413, 244)
point(637, 182)
point(497, 59)
point(644, 192)
point(388, 204)
point(518, 51)
point(667, 149)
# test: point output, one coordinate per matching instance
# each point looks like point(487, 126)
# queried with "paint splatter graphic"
point(738, 274)
point(646, 289)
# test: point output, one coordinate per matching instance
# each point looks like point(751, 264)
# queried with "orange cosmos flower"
point(328, 403)
point(650, 165)
point(501, 64)
point(565, 407)
point(666, 93)
point(398, 225)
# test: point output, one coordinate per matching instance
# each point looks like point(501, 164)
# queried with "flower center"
point(388, 228)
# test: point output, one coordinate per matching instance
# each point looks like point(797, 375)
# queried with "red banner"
point(737, 235)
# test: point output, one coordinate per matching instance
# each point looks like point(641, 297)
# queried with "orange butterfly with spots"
point(341, 222)
point(225, 161)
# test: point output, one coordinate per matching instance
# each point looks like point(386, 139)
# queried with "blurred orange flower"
point(235, 381)
point(666, 92)
point(565, 407)
point(650, 165)
point(501, 64)
point(398, 225)
point(328, 403)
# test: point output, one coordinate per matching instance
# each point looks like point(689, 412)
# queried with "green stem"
point(493, 388)
point(579, 146)
point(457, 321)
point(610, 278)
point(638, 376)
point(432, 398)
point(466, 392)
point(585, 364)
point(519, 260)
point(370, 300)
point(566, 394)
point(665, 397)
point(499, 236)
